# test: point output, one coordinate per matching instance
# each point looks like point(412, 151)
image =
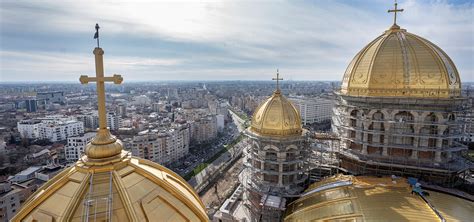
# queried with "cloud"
point(227, 39)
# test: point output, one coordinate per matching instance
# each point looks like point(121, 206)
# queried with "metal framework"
point(410, 136)
point(98, 204)
point(258, 163)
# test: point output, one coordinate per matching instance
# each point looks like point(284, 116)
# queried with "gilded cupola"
point(276, 116)
point(401, 64)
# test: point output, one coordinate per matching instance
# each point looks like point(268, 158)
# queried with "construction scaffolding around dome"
point(419, 137)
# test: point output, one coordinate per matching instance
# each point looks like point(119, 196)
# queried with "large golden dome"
point(276, 116)
point(401, 64)
point(124, 189)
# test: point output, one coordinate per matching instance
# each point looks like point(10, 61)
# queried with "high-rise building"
point(204, 129)
point(161, 146)
point(76, 146)
point(275, 165)
point(313, 110)
point(51, 97)
point(114, 121)
point(31, 105)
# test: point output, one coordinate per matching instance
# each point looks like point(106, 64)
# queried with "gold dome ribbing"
point(276, 116)
point(401, 64)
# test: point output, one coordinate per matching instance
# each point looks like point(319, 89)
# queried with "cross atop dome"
point(104, 145)
point(395, 10)
point(277, 81)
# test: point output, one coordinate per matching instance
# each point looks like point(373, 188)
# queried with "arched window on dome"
point(402, 129)
point(451, 118)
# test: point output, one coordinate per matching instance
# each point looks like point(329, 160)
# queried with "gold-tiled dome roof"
point(276, 116)
point(401, 64)
point(124, 189)
point(367, 198)
point(108, 184)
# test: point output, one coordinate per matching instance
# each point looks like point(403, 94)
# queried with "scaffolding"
point(323, 156)
point(420, 137)
point(274, 174)
point(97, 205)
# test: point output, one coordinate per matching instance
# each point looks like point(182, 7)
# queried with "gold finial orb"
point(84, 79)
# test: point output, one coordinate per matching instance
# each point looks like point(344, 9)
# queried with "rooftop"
point(365, 198)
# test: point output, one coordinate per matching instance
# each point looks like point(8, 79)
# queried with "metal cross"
point(395, 12)
point(278, 80)
point(100, 80)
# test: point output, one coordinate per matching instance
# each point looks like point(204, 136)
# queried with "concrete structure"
point(12, 195)
point(31, 105)
point(76, 146)
point(51, 97)
point(30, 128)
point(25, 175)
point(161, 146)
point(313, 110)
point(204, 129)
point(53, 128)
point(114, 121)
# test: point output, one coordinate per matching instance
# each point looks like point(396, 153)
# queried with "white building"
point(76, 145)
point(313, 110)
point(29, 128)
point(53, 128)
point(91, 120)
point(114, 121)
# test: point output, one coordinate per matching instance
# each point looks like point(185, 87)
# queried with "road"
point(239, 122)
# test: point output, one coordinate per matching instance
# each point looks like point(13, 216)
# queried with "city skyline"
point(48, 41)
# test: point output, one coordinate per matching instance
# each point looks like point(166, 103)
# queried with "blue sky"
point(216, 40)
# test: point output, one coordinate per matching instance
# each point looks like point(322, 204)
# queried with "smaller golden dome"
point(276, 116)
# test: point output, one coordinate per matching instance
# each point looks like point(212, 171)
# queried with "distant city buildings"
point(91, 120)
point(52, 128)
point(51, 97)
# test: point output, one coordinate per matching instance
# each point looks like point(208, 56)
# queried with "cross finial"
point(277, 80)
point(395, 10)
point(100, 80)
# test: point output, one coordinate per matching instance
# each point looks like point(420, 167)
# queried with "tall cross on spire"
point(395, 12)
point(278, 80)
point(100, 80)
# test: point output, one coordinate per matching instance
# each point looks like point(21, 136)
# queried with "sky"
point(216, 40)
